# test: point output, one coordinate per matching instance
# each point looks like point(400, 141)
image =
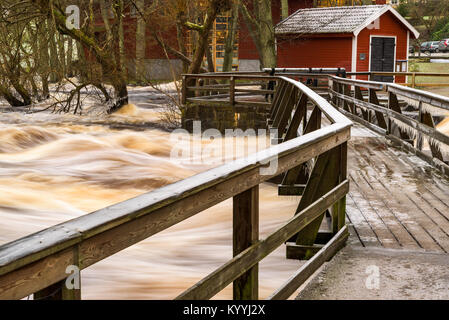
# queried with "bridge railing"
point(37, 264)
point(359, 100)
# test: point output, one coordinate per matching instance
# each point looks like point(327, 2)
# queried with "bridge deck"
point(398, 211)
point(396, 200)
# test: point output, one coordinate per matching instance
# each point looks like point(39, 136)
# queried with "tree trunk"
point(69, 57)
point(261, 29)
point(230, 39)
point(140, 43)
point(203, 40)
point(54, 77)
point(266, 32)
point(284, 7)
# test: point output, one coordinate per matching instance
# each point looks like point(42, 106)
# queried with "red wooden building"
point(357, 38)
point(246, 57)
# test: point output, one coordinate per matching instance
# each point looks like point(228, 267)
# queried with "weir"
point(314, 161)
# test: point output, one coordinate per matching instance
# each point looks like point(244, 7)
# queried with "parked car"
point(430, 46)
point(444, 45)
point(434, 46)
point(424, 46)
point(411, 49)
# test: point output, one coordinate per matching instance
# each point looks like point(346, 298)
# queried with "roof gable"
point(351, 19)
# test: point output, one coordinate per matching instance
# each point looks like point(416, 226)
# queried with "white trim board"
point(354, 55)
point(377, 15)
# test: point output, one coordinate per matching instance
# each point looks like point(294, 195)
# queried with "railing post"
point(426, 118)
point(413, 80)
point(245, 234)
point(232, 91)
point(184, 90)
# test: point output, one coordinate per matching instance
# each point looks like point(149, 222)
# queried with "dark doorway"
point(382, 57)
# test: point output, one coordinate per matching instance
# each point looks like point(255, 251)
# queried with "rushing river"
point(58, 167)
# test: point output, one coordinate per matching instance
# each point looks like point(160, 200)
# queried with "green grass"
point(429, 67)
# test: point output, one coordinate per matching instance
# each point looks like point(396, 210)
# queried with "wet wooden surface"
point(396, 200)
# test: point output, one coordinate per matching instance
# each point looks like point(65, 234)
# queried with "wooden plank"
point(359, 96)
point(379, 115)
point(298, 252)
point(277, 99)
point(298, 175)
point(287, 112)
point(245, 224)
point(299, 114)
point(291, 190)
point(382, 223)
point(257, 91)
point(36, 275)
point(361, 83)
point(220, 278)
point(324, 177)
point(232, 91)
point(426, 118)
point(363, 230)
point(404, 214)
point(184, 90)
point(282, 105)
point(306, 270)
point(393, 104)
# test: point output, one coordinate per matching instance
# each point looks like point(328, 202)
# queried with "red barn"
point(359, 38)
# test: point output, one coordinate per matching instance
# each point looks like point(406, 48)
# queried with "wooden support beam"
point(291, 190)
point(284, 100)
point(426, 118)
point(245, 234)
point(232, 91)
point(298, 252)
point(346, 92)
point(287, 112)
point(232, 269)
point(277, 98)
point(184, 90)
point(325, 176)
point(379, 116)
point(298, 116)
point(393, 104)
point(359, 96)
point(298, 174)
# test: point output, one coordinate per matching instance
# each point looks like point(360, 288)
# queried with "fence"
point(388, 119)
point(37, 264)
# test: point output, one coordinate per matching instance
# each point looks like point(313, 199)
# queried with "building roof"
point(351, 19)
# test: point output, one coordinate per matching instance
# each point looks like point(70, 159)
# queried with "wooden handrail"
point(386, 116)
point(37, 263)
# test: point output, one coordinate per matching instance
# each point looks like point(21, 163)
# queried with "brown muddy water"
point(58, 167)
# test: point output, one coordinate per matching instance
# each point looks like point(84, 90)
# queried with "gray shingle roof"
point(327, 20)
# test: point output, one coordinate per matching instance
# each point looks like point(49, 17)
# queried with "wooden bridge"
point(384, 187)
